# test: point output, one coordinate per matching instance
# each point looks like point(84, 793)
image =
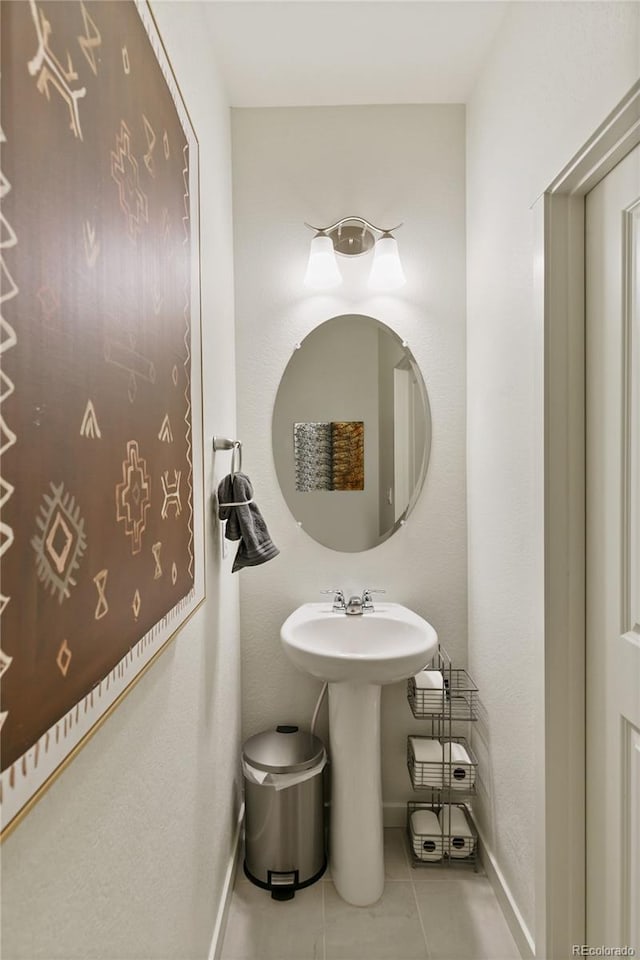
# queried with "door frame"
point(559, 274)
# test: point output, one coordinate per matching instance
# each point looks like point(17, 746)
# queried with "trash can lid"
point(286, 749)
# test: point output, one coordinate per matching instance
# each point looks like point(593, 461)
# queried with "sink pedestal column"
point(357, 859)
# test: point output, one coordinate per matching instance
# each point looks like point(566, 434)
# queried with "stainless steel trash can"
point(284, 810)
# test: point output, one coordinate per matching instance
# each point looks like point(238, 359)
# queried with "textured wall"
point(387, 164)
point(555, 72)
point(124, 856)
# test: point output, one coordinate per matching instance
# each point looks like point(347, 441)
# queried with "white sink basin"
point(385, 646)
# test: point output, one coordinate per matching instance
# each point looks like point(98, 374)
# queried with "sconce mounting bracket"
point(351, 240)
point(352, 236)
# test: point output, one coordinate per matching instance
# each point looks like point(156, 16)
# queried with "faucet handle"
point(338, 598)
point(367, 602)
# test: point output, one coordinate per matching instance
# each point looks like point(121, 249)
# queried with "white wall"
point(125, 855)
point(555, 71)
point(318, 164)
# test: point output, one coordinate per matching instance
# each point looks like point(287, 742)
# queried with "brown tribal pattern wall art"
point(101, 533)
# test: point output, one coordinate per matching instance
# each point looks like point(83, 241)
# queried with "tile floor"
point(423, 915)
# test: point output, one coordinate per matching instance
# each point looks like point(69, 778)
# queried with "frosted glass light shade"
point(386, 269)
point(322, 269)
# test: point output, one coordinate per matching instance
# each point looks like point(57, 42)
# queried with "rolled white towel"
point(457, 837)
point(426, 835)
point(461, 775)
point(428, 757)
point(430, 694)
point(429, 680)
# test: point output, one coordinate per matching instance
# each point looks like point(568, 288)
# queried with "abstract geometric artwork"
point(60, 541)
point(329, 455)
point(132, 496)
point(312, 455)
point(101, 488)
point(347, 451)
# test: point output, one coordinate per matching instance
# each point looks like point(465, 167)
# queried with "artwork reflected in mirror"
point(346, 494)
point(329, 456)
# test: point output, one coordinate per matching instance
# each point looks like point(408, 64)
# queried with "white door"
point(401, 440)
point(613, 557)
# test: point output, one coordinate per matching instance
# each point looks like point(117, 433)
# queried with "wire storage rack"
point(442, 834)
point(457, 700)
point(445, 764)
point(442, 766)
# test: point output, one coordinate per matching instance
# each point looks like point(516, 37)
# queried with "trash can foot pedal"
point(283, 883)
point(283, 893)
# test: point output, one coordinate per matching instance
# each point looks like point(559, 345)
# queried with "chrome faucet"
point(367, 602)
point(338, 600)
point(356, 605)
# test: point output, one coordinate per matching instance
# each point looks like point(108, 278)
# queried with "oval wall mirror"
point(351, 433)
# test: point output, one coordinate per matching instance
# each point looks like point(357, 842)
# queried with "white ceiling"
point(324, 52)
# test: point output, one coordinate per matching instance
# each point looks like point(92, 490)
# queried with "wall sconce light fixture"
point(351, 237)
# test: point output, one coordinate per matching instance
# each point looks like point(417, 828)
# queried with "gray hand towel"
point(244, 523)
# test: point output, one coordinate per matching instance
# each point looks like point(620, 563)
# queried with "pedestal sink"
point(356, 655)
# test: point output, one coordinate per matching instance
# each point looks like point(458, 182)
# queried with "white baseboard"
point(217, 940)
point(515, 921)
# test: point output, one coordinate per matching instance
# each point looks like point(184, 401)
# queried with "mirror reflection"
point(351, 433)
point(329, 456)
